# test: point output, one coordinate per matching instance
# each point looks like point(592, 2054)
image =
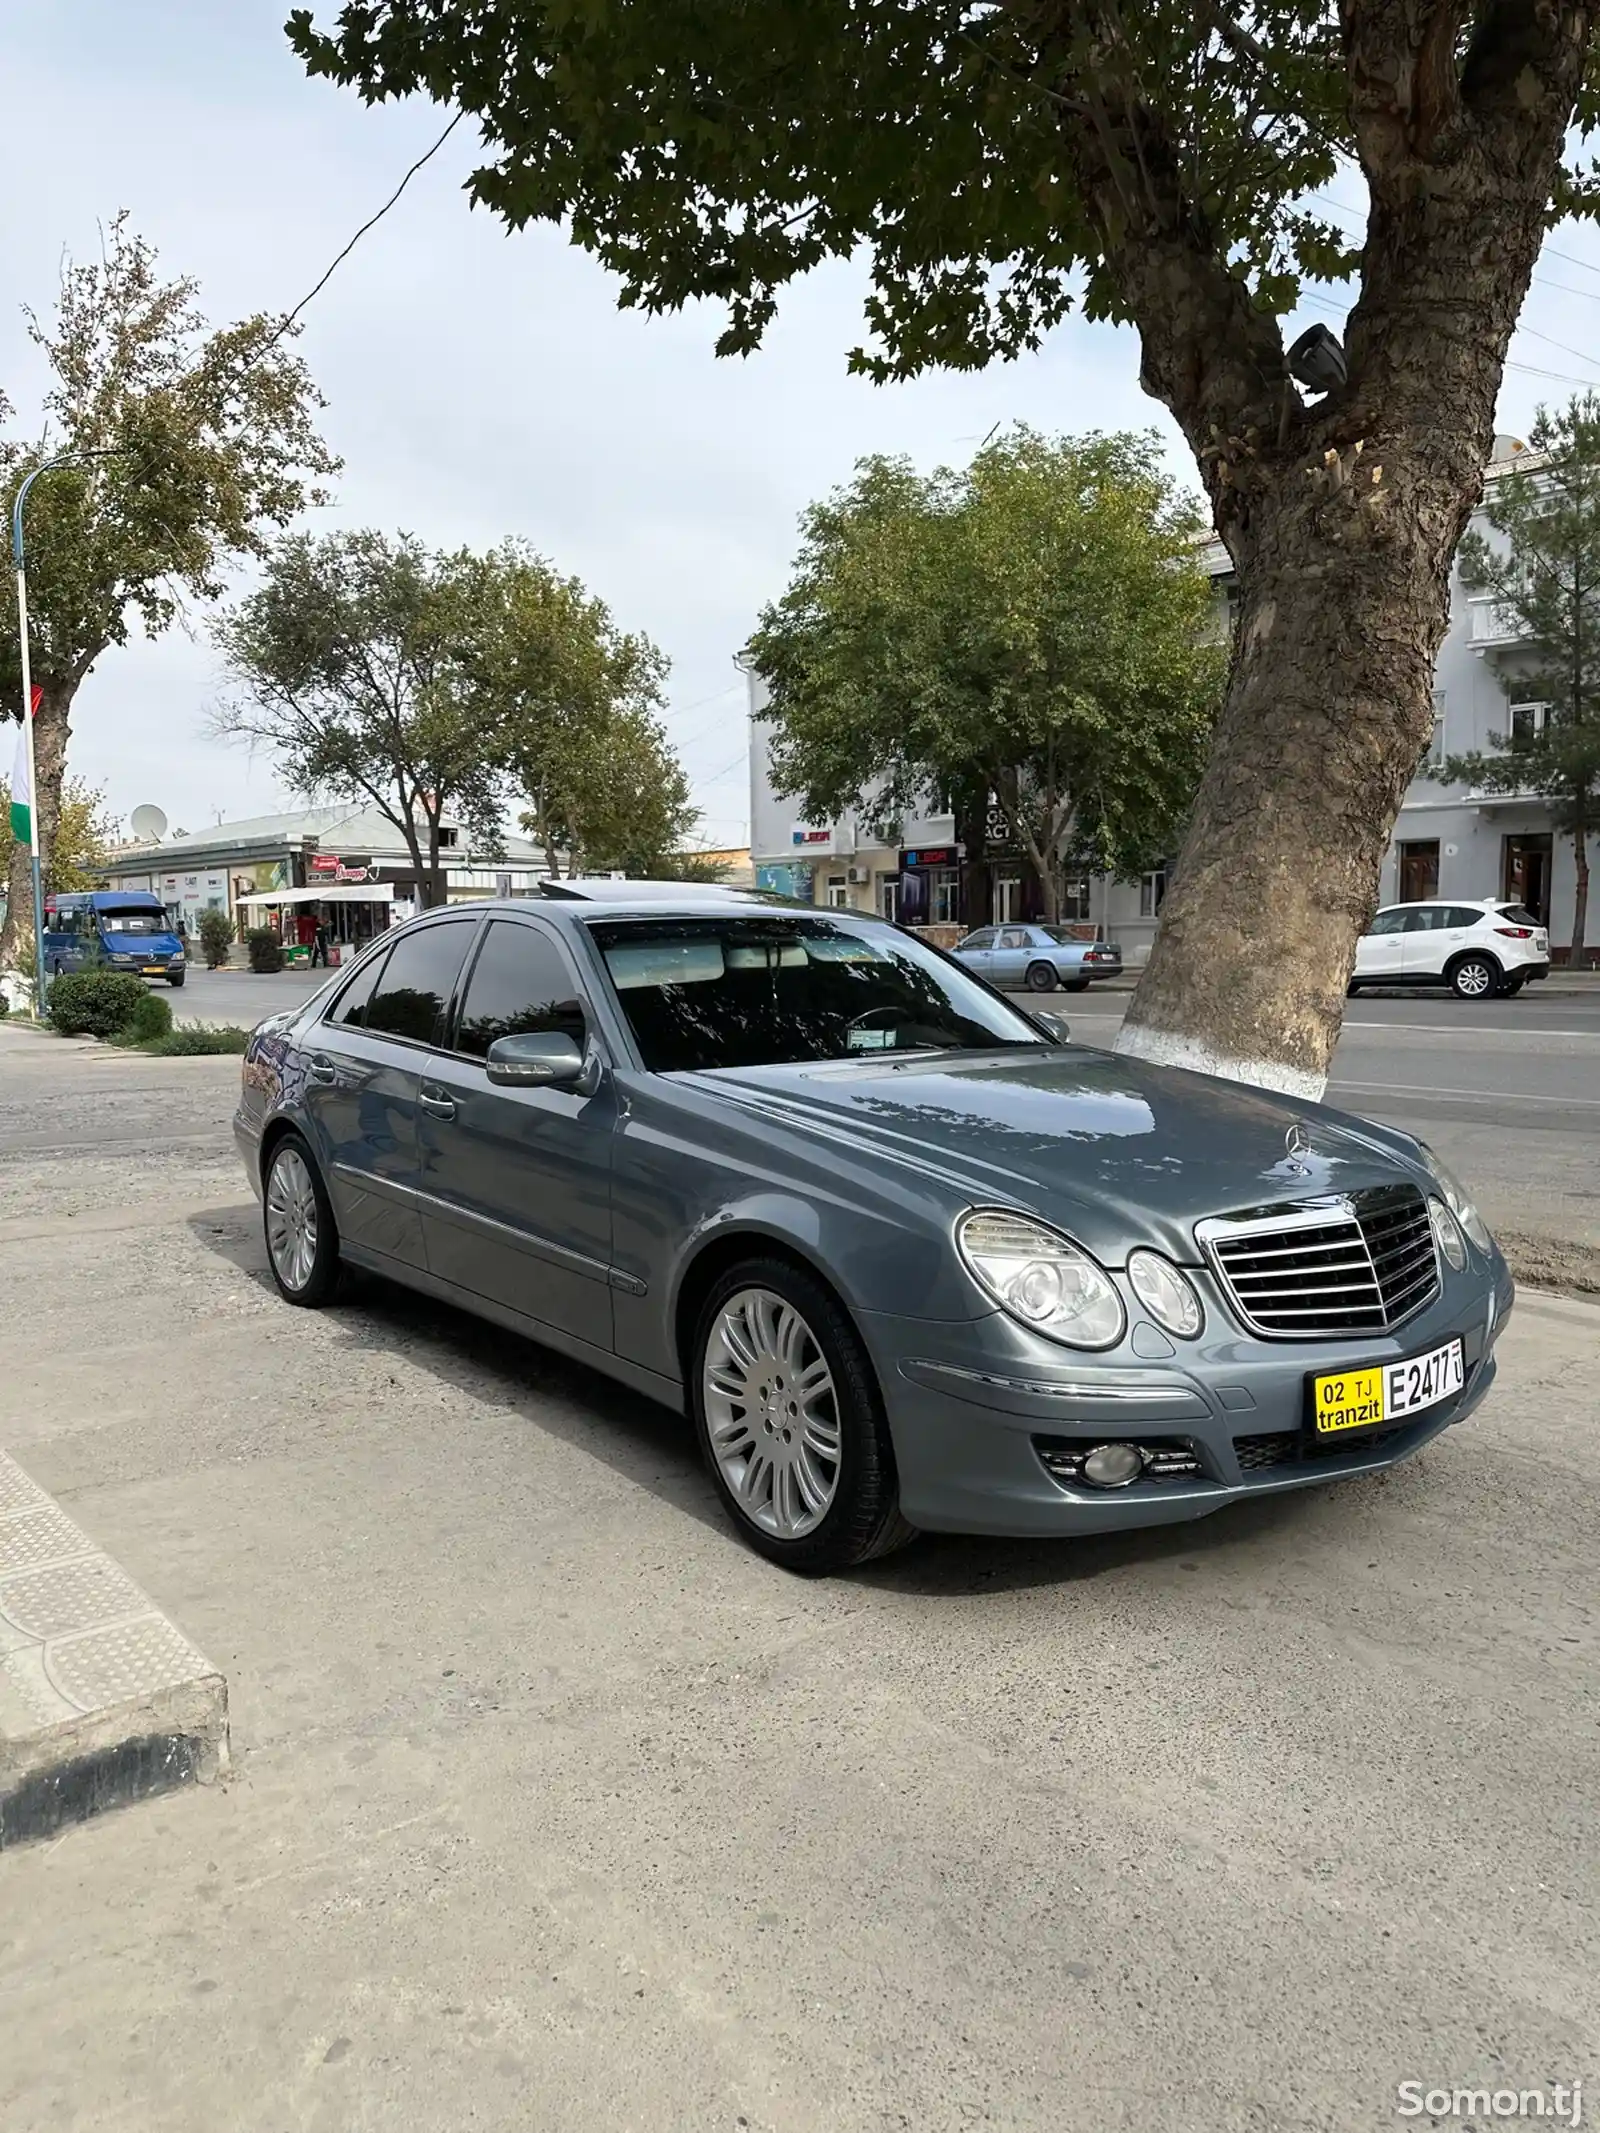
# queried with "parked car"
point(1040, 957)
point(128, 929)
point(1476, 947)
point(908, 1256)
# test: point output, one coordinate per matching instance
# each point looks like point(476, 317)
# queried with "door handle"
point(321, 1068)
point(435, 1102)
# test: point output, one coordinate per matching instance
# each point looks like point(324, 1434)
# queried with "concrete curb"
point(102, 1700)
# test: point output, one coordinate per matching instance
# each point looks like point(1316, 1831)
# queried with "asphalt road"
point(1508, 1091)
point(554, 1807)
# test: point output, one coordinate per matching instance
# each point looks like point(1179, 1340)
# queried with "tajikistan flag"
point(21, 790)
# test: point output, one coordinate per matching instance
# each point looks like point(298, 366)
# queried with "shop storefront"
point(352, 913)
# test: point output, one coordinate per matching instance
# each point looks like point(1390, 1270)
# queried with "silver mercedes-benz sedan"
point(907, 1255)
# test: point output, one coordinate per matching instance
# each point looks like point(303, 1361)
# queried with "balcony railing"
point(1491, 622)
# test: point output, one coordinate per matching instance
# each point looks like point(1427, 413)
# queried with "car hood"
point(1108, 1148)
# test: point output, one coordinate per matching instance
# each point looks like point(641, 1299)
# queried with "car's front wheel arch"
point(788, 1409)
point(729, 1247)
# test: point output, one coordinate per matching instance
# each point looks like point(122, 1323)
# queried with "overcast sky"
point(481, 384)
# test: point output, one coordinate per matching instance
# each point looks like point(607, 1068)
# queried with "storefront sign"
point(931, 855)
point(801, 834)
point(323, 863)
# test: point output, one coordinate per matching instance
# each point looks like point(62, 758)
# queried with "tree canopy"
point(436, 687)
point(84, 828)
point(208, 444)
point(1034, 626)
point(997, 163)
point(1543, 570)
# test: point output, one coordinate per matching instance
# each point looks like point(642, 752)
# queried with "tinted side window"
point(985, 939)
point(412, 997)
point(1429, 918)
point(1464, 915)
point(519, 985)
point(350, 1008)
point(1391, 921)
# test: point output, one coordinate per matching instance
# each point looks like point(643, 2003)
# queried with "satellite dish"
point(149, 823)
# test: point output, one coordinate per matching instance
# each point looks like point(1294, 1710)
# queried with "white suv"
point(1476, 948)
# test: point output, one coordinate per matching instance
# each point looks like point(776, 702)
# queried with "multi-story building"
point(1449, 840)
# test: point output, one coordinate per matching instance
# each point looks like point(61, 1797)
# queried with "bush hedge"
point(151, 1018)
point(265, 950)
point(216, 937)
point(190, 1039)
point(95, 1003)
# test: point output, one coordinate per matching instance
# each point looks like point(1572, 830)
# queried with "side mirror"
point(1055, 1027)
point(544, 1059)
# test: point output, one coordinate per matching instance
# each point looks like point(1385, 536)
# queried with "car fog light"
point(1113, 1466)
point(1166, 1293)
point(1447, 1233)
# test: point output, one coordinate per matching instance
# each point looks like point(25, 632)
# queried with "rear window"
point(1519, 915)
point(412, 998)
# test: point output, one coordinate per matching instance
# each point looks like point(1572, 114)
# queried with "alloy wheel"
point(772, 1413)
point(1474, 979)
point(291, 1219)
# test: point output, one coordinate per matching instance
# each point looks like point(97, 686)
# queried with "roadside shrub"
point(94, 1003)
point(5, 1006)
point(189, 1040)
point(151, 1018)
point(216, 937)
point(265, 950)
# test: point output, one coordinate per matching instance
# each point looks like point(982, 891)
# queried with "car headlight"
point(1040, 1278)
point(1166, 1293)
point(1447, 1234)
point(1456, 1200)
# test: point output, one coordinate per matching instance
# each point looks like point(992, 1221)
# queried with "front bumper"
point(975, 1410)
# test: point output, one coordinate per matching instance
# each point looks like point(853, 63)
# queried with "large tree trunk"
point(1342, 516)
point(1329, 705)
point(51, 730)
point(1580, 900)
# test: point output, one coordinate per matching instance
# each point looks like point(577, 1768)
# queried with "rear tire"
point(1474, 977)
point(297, 1221)
point(1041, 977)
point(1510, 987)
point(791, 1422)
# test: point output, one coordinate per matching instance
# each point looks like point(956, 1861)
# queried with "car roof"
point(657, 899)
point(1470, 903)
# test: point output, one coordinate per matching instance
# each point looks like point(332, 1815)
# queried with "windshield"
point(135, 922)
point(742, 992)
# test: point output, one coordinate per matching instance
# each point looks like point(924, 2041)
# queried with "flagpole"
point(27, 727)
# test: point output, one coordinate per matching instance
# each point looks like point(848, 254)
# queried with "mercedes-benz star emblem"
point(1296, 1147)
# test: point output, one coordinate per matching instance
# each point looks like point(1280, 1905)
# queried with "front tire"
point(176, 977)
point(791, 1422)
point(1474, 978)
point(297, 1221)
point(1041, 977)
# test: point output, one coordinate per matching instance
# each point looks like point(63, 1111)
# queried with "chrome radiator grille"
point(1357, 1265)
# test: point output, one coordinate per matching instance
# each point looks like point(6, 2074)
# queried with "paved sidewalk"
point(554, 1808)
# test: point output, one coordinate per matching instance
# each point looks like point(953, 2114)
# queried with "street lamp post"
point(62, 459)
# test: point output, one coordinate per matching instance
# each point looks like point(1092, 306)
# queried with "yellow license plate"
point(154, 970)
point(1387, 1392)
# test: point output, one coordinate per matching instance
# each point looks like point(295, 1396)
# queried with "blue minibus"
point(127, 929)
